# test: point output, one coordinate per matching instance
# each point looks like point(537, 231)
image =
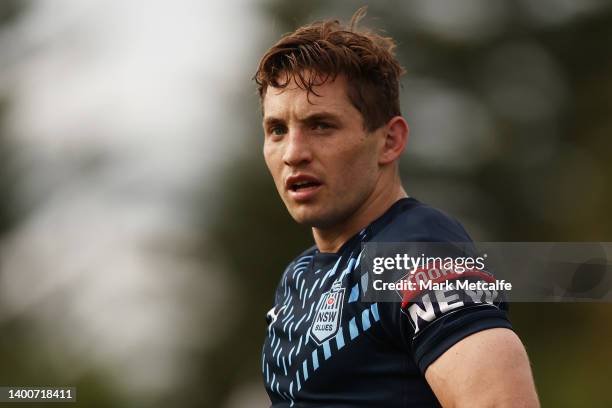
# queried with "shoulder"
point(299, 263)
point(306, 255)
point(412, 220)
point(302, 259)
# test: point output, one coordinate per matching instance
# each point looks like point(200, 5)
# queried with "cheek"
point(272, 157)
point(361, 170)
point(348, 170)
point(270, 154)
point(358, 160)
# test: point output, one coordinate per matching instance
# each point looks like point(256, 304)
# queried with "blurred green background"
point(141, 237)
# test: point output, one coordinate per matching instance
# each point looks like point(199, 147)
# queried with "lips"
point(302, 187)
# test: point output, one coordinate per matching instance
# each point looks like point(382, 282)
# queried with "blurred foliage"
point(7, 177)
point(26, 360)
point(551, 201)
point(10, 10)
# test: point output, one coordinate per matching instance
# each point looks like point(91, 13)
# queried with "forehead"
point(330, 97)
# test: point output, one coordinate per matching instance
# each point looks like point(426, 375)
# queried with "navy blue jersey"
point(325, 347)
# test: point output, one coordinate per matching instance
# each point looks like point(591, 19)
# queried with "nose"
point(297, 149)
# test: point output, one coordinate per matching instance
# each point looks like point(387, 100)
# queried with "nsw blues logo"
point(328, 317)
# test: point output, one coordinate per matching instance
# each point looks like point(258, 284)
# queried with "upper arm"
point(489, 368)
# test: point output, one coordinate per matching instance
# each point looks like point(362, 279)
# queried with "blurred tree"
point(8, 178)
point(26, 359)
point(9, 11)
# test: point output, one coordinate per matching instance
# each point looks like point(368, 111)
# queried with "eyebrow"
point(315, 117)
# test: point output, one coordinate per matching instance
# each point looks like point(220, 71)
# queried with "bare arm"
point(486, 369)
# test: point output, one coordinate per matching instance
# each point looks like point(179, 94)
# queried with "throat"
point(331, 239)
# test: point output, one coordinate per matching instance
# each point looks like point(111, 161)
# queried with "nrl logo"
point(326, 321)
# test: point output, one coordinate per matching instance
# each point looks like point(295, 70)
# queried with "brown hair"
point(320, 51)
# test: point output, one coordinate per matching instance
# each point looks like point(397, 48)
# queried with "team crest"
point(327, 320)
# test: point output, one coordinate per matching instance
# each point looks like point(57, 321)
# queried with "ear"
point(395, 140)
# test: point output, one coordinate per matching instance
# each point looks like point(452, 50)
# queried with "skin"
point(325, 137)
point(487, 369)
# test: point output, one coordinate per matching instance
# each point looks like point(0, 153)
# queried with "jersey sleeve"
point(430, 339)
point(435, 320)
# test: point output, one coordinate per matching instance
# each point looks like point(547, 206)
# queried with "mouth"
point(302, 187)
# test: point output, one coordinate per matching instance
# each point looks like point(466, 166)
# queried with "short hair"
point(322, 50)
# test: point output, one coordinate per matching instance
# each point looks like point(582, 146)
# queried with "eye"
point(321, 126)
point(277, 130)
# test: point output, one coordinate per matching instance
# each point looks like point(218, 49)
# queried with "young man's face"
point(323, 161)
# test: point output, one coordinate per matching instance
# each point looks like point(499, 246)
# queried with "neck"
point(331, 239)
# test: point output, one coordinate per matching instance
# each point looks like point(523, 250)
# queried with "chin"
point(305, 216)
point(306, 220)
point(314, 219)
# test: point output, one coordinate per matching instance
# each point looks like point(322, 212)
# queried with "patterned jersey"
point(325, 347)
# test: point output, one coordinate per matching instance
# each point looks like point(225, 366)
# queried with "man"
point(333, 137)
